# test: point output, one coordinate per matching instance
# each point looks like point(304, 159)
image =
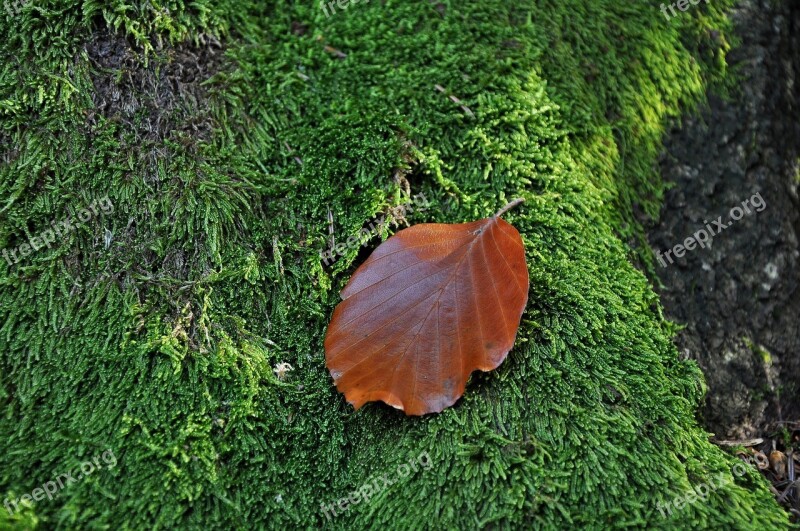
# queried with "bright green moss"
point(162, 346)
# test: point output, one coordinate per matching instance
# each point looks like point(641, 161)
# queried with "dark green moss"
point(160, 343)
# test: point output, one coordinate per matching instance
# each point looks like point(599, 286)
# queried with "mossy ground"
point(154, 331)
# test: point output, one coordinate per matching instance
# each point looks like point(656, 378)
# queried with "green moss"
point(160, 344)
point(763, 354)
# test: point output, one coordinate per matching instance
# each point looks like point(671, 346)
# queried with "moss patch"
point(154, 331)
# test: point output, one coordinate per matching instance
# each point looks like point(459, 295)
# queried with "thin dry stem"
point(509, 206)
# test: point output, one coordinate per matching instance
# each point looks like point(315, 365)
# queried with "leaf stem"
point(509, 206)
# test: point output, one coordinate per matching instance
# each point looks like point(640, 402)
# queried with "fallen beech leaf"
point(777, 460)
point(432, 304)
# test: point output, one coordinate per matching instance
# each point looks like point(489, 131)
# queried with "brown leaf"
point(432, 304)
point(777, 461)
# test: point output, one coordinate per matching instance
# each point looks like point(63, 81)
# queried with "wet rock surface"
point(739, 296)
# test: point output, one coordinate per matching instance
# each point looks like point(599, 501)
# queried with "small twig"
point(331, 239)
point(455, 100)
point(338, 53)
point(277, 254)
point(794, 481)
point(786, 492)
point(745, 443)
point(509, 206)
